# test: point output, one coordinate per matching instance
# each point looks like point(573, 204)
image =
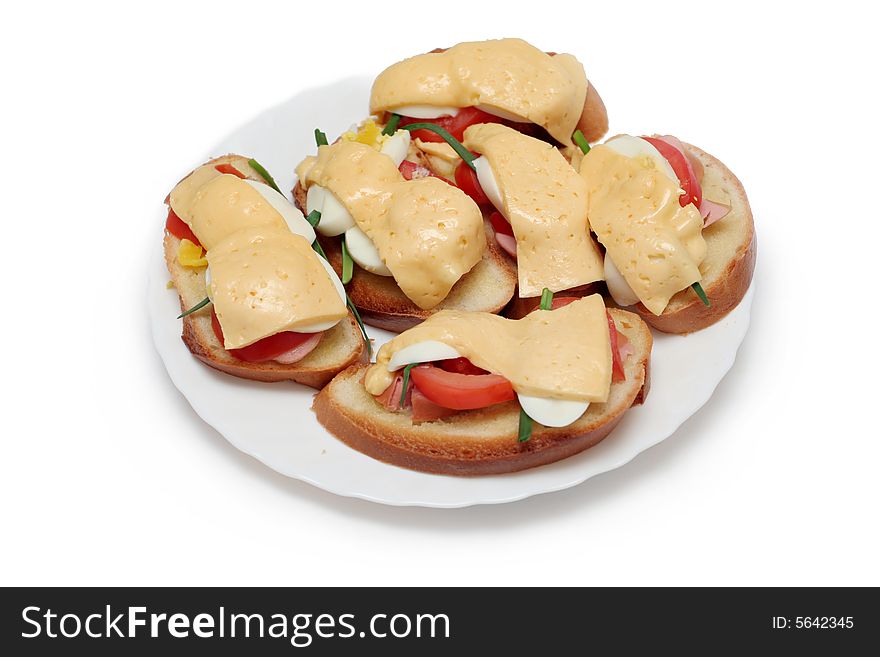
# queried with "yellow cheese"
point(265, 280)
point(427, 232)
point(226, 204)
point(545, 201)
point(634, 209)
point(507, 75)
point(558, 354)
point(183, 194)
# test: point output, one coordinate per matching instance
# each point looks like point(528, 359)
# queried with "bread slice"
point(730, 258)
point(341, 346)
point(485, 288)
point(479, 442)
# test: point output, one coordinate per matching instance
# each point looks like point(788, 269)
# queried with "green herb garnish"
point(701, 293)
point(391, 127)
point(316, 245)
point(457, 146)
point(360, 322)
point(347, 264)
point(546, 299)
point(201, 304)
point(406, 371)
point(581, 141)
point(265, 175)
point(314, 218)
point(525, 426)
point(320, 137)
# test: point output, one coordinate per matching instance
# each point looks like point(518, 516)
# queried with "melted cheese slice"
point(634, 209)
point(184, 193)
point(507, 76)
point(427, 232)
point(559, 354)
point(265, 280)
point(545, 201)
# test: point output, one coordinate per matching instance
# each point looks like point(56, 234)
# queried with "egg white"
point(364, 252)
point(619, 289)
point(502, 113)
point(425, 111)
point(421, 352)
point(335, 219)
point(397, 146)
point(291, 214)
point(637, 147)
point(486, 178)
point(552, 412)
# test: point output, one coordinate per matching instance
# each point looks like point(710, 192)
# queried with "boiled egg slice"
point(291, 214)
point(397, 146)
point(552, 412)
point(335, 219)
point(425, 111)
point(487, 181)
point(502, 113)
point(364, 252)
point(421, 352)
point(637, 147)
point(619, 289)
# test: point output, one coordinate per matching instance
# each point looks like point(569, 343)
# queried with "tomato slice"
point(412, 171)
point(454, 125)
point(262, 350)
point(461, 392)
point(680, 164)
point(467, 181)
point(177, 227)
point(460, 366)
point(228, 168)
point(499, 223)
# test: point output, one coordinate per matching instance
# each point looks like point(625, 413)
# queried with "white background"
point(108, 477)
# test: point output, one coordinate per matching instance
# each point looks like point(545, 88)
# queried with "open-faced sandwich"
point(475, 393)
point(676, 227)
point(258, 302)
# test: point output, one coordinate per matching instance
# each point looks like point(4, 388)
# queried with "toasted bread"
point(484, 441)
point(485, 288)
point(730, 258)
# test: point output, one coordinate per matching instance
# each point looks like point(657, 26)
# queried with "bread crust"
point(488, 287)
point(482, 442)
point(727, 286)
point(340, 347)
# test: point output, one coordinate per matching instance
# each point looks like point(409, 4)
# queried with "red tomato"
point(177, 227)
point(467, 181)
point(265, 349)
point(499, 223)
point(461, 391)
point(454, 125)
point(693, 193)
point(228, 168)
point(559, 302)
point(617, 373)
point(411, 171)
point(460, 366)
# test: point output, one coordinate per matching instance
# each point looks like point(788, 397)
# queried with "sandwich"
point(257, 300)
point(475, 393)
point(676, 227)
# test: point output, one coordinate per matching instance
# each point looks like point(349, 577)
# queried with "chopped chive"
point(391, 127)
point(314, 218)
point(265, 175)
point(701, 293)
point(316, 245)
point(406, 371)
point(581, 141)
point(347, 264)
point(357, 316)
point(525, 426)
point(457, 146)
point(201, 304)
point(546, 299)
point(320, 137)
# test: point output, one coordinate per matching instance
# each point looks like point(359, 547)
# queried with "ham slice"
point(300, 351)
point(424, 410)
point(390, 399)
point(508, 243)
point(712, 211)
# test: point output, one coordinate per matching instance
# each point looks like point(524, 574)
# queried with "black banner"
point(327, 621)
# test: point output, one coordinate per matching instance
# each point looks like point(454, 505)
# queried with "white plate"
point(274, 424)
